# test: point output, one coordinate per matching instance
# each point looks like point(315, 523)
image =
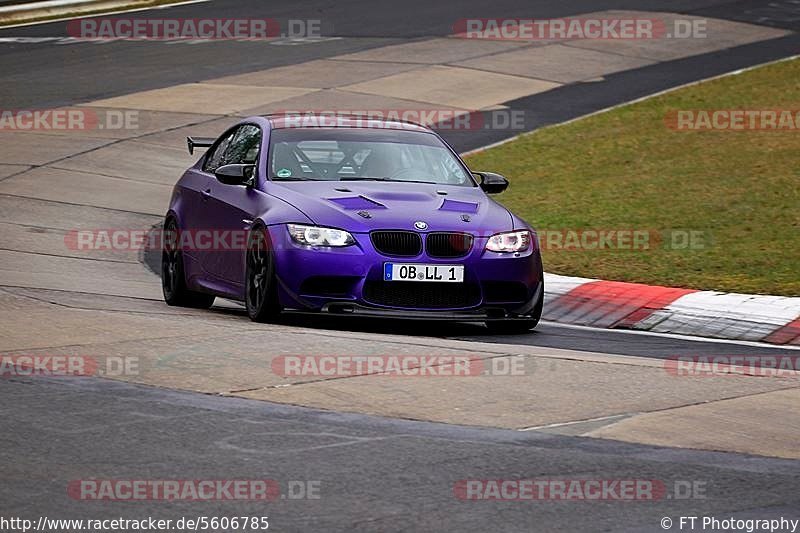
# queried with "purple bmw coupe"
point(358, 217)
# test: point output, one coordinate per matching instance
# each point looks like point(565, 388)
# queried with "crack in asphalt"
point(45, 254)
point(61, 202)
point(106, 145)
point(633, 414)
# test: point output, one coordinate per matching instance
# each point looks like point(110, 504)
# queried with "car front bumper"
point(349, 280)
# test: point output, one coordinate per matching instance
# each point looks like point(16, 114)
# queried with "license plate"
point(422, 272)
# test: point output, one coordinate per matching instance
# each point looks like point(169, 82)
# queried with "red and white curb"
point(616, 304)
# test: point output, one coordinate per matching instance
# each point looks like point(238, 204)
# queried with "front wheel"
point(261, 284)
point(173, 277)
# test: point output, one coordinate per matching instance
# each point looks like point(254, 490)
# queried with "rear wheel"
point(173, 277)
point(261, 285)
point(520, 325)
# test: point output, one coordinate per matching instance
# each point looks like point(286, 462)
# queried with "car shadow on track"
point(382, 326)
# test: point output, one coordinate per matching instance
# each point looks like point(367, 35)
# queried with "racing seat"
point(379, 164)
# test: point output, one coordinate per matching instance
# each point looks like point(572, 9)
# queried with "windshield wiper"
point(360, 178)
point(295, 178)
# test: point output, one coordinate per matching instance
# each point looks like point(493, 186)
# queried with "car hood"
point(361, 207)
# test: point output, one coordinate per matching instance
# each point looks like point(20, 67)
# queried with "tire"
point(261, 282)
point(519, 326)
point(173, 277)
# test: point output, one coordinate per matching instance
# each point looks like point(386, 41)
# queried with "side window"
point(216, 158)
point(244, 147)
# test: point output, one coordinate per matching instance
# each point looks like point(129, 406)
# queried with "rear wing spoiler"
point(198, 142)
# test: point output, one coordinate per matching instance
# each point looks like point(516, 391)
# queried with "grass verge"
point(626, 169)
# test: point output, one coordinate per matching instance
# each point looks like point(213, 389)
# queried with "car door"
point(194, 214)
point(231, 209)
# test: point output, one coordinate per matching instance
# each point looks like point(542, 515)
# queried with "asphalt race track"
point(386, 453)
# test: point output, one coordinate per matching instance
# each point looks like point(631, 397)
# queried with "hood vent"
point(460, 207)
point(356, 203)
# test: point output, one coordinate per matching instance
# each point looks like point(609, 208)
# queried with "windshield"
point(363, 154)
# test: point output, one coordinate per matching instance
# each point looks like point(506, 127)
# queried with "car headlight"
point(512, 241)
point(319, 236)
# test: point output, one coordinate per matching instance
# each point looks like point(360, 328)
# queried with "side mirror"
point(492, 183)
point(236, 174)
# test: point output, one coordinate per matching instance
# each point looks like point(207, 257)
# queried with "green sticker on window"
point(284, 173)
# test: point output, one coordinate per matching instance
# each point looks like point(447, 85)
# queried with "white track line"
point(575, 422)
point(675, 336)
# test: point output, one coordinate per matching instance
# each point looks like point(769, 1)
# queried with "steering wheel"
point(397, 175)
